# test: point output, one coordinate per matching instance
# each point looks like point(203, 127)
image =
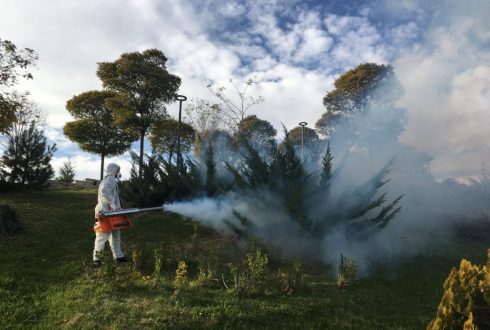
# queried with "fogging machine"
point(118, 219)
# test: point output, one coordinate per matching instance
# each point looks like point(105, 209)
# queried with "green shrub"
point(257, 264)
point(346, 272)
point(9, 222)
point(254, 277)
point(466, 300)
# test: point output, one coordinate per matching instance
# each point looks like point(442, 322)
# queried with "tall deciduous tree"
point(163, 137)
point(309, 137)
point(305, 141)
point(233, 112)
point(252, 126)
point(144, 86)
point(94, 129)
point(259, 133)
point(14, 63)
point(203, 115)
point(368, 87)
point(25, 113)
point(67, 172)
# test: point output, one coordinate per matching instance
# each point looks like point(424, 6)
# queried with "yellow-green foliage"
point(466, 300)
point(181, 278)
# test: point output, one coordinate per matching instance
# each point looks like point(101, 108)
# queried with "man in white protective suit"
point(108, 200)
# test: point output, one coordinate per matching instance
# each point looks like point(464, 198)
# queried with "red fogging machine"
point(118, 219)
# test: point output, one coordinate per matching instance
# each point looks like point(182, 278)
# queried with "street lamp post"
point(302, 124)
point(180, 98)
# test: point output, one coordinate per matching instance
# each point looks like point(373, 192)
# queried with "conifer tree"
point(27, 158)
point(327, 164)
point(286, 178)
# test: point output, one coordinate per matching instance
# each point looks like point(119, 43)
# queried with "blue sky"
point(293, 49)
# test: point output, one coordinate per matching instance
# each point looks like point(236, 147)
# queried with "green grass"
point(47, 282)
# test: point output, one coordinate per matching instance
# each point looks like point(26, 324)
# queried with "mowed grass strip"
point(47, 282)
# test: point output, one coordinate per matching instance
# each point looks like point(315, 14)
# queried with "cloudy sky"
point(295, 50)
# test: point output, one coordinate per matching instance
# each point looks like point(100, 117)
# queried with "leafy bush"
point(346, 272)
point(466, 300)
point(9, 222)
point(253, 278)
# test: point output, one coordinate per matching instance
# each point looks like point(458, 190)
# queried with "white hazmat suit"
point(108, 199)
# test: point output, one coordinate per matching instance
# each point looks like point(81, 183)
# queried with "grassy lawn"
point(47, 281)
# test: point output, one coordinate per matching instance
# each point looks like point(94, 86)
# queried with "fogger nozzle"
point(108, 214)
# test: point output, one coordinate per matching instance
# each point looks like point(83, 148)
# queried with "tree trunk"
point(101, 167)
point(142, 144)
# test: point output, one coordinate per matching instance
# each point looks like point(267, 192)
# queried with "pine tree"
point(327, 164)
point(66, 172)
point(27, 158)
point(210, 184)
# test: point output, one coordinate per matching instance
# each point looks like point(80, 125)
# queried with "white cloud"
point(357, 40)
point(88, 166)
point(294, 51)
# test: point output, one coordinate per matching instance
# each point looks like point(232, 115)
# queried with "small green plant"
point(346, 272)
point(291, 279)
point(181, 281)
point(206, 276)
point(257, 264)
point(181, 277)
point(108, 270)
point(137, 260)
point(157, 272)
point(254, 278)
point(156, 278)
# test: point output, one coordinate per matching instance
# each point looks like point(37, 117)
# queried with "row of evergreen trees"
point(305, 196)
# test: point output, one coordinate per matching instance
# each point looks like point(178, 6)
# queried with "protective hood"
point(112, 169)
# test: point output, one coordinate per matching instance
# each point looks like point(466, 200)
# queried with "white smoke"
point(446, 82)
point(446, 79)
